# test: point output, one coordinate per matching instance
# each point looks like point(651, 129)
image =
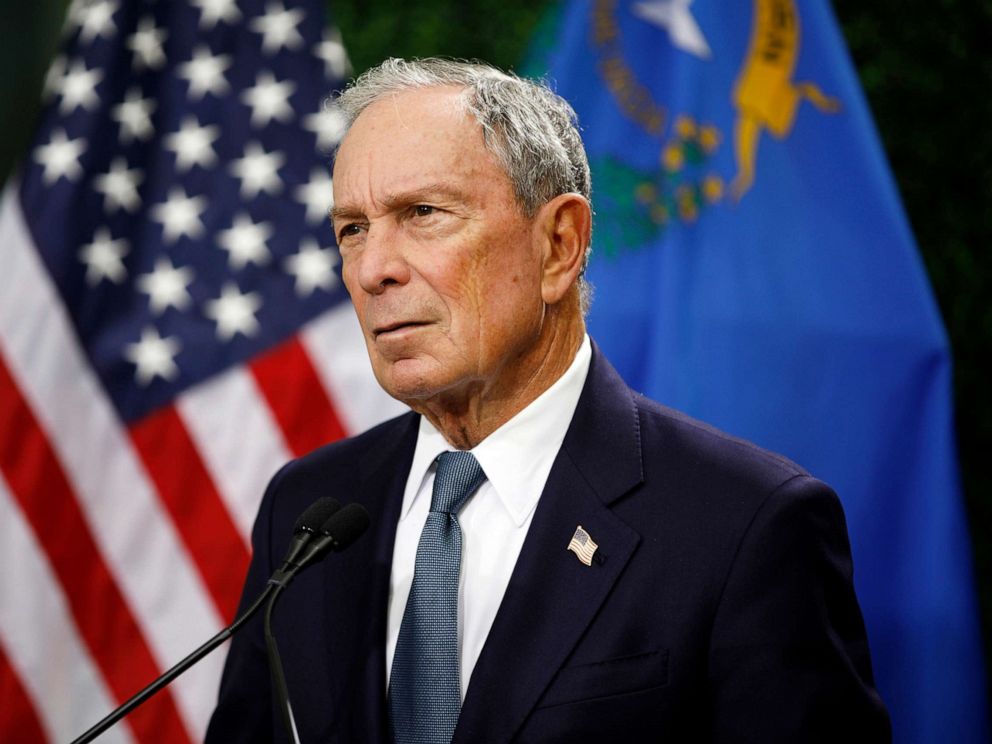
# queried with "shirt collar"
point(518, 456)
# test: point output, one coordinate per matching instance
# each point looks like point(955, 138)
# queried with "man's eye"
point(423, 210)
point(350, 229)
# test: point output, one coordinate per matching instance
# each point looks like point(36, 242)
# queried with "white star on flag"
point(60, 157)
point(234, 312)
point(180, 215)
point(258, 171)
point(675, 17)
point(119, 186)
point(328, 124)
point(53, 78)
point(77, 13)
point(331, 50)
point(313, 267)
point(205, 73)
point(97, 20)
point(103, 258)
point(78, 88)
point(245, 242)
point(166, 286)
point(212, 11)
point(269, 99)
point(153, 356)
point(135, 116)
point(317, 195)
point(278, 28)
point(192, 144)
point(74, 16)
point(146, 43)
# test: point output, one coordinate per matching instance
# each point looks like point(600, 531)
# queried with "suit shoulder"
point(701, 447)
point(338, 466)
point(345, 452)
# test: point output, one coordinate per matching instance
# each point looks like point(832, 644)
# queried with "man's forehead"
point(412, 139)
point(418, 109)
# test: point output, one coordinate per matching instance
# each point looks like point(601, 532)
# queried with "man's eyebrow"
point(427, 192)
point(391, 200)
point(346, 213)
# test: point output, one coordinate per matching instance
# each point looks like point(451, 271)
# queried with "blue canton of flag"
point(173, 329)
point(753, 266)
point(179, 136)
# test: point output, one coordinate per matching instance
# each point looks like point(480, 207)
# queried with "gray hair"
point(532, 131)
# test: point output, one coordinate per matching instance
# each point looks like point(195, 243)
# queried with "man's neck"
point(466, 417)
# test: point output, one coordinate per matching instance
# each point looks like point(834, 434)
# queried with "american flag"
point(582, 545)
point(172, 329)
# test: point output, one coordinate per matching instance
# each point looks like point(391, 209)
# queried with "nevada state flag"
point(753, 266)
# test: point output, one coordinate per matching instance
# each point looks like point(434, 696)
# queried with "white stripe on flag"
point(336, 346)
point(151, 567)
point(48, 655)
point(238, 438)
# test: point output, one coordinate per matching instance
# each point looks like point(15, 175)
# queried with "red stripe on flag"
point(298, 400)
point(17, 715)
point(187, 490)
point(102, 616)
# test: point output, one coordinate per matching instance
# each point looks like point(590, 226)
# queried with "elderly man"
point(553, 557)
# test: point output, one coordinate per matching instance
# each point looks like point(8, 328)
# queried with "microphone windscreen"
point(315, 515)
point(346, 525)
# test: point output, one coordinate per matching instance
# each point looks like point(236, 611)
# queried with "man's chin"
point(408, 380)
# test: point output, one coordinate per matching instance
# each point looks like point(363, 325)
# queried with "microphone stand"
point(340, 527)
point(136, 700)
point(275, 667)
point(315, 515)
point(337, 533)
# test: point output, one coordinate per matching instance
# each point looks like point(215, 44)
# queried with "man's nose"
point(382, 261)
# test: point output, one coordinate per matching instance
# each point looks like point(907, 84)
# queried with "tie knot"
point(458, 475)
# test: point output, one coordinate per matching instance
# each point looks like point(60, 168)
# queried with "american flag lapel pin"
point(582, 545)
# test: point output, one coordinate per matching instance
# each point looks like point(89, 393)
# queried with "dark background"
point(926, 67)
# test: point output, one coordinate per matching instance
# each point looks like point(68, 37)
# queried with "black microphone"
point(311, 523)
point(336, 533)
point(339, 531)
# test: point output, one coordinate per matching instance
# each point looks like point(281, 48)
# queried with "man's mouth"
point(397, 326)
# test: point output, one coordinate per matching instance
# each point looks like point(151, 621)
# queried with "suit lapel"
point(552, 597)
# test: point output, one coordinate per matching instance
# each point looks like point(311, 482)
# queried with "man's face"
point(443, 267)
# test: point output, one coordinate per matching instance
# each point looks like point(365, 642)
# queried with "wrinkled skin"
point(469, 307)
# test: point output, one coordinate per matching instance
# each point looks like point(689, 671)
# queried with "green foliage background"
point(926, 66)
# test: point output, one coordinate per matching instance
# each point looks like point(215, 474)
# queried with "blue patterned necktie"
point(424, 690)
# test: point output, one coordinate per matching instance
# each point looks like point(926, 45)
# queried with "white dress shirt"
point(516, 459)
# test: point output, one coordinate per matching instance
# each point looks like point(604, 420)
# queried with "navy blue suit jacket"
point(721, 607)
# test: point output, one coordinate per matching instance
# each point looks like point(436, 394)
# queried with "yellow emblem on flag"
point(765, 95)
point(766, 98)
point(582, 545)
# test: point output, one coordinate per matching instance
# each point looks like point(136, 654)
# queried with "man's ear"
point(565, 225)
